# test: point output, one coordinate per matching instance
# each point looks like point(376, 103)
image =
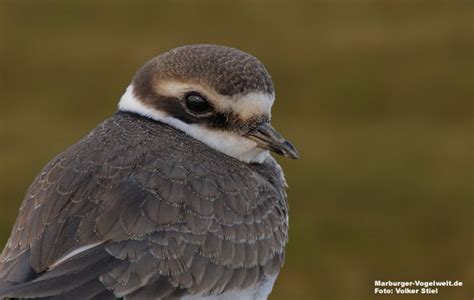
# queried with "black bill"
point(268, 138)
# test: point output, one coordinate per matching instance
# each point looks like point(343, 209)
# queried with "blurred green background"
point(376, 95)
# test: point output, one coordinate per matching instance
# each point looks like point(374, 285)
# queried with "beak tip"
point(295, 156)
point(291, 151)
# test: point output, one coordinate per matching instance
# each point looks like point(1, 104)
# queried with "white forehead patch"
point(246, 106)
point(229, 143)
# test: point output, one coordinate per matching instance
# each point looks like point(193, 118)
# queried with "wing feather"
point(172, 217)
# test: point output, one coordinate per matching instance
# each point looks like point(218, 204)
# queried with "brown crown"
point(228, 71)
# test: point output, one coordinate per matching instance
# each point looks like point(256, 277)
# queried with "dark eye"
point(197, 104)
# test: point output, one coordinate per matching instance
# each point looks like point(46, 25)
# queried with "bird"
point(175, 196)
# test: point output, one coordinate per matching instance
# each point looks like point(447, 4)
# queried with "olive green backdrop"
point(376, 95)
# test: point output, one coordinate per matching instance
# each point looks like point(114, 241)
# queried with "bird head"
point(218, 95)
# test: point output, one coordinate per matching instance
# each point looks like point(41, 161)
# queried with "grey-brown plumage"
point(166, 215)
point(228, 70)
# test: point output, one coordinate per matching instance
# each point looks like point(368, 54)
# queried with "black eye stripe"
point(175, 108)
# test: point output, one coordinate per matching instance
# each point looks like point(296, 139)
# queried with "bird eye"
point(197, 104)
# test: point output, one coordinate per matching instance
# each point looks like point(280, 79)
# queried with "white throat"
point(226, 142)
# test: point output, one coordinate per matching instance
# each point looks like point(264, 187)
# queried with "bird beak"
point(268, 138)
